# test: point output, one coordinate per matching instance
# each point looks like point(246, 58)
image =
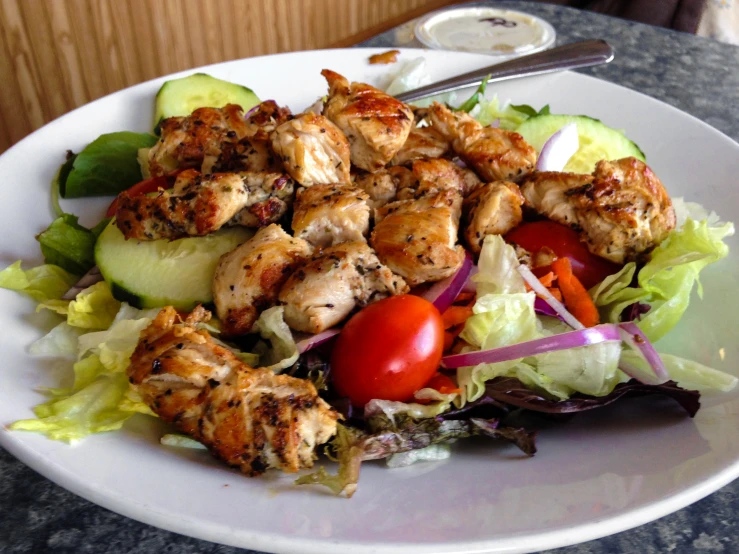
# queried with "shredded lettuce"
point(497, 268)
point(492, 111)
point(43, 283)
point(282, 351)
point(100, 398)
point(687, 373)
point(667, 280)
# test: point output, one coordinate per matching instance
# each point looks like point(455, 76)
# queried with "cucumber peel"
point(180, 97)
point(151, 274)
point(597, 140)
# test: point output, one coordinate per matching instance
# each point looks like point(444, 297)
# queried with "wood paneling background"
point(56, 55)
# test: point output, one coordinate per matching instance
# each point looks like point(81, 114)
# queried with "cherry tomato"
point(564, 242)
point(144, 187)
point(388, 351)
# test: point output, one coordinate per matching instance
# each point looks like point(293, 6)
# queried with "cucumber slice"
point(150, 274)
point(597, 140)
point(180, 97)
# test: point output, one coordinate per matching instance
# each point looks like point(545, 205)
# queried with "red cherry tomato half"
point(144, 187)
point(388, 351)
point(564, 242)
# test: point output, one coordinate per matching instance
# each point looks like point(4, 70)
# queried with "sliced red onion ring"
point(87, 280)
point(306, 342)
point(443, 293)
point(555, 304)
point(565, 341)
point(542, 308)
point(558, 149)
point(495, 124)
point(636, 339)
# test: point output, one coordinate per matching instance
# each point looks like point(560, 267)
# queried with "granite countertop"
point(693, 74)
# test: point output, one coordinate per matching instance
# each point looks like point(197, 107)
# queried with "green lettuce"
point(279, 352)
point(100, 399)
point(667, 280)
point(686, 373)
point(106, 166)
point(43, 283)
point(70, 245)
point(504, 315)
point(508, 117)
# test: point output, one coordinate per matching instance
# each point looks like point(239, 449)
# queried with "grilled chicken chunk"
point(265, 118)
point(422, 142)
point(270, 195)
point(492, 209)
point(622, 209)
point(250, 418)
point(382, 186)
point(433, 175)
point(376, 124)
point(495, 154)
point(324, 291)
point(313, 150)
point(248, 279)
point(205, 140)
point(200, 204)
point(330, 214)
point(417, 238)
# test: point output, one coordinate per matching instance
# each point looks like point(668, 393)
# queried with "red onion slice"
point(636, 339)
point(543, 293)
point(565, 341)
point(306, 342)
point(443, 293)
point(495, 124)
point(558, 149)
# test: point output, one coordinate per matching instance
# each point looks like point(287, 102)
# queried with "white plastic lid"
point(504, 34)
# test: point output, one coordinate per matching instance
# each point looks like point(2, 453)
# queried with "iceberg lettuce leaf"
point(42, 283)
point(667, 280)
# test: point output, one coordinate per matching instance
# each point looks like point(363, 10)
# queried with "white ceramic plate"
point(598, 474)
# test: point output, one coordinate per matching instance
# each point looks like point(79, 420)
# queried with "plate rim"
point(267, 541)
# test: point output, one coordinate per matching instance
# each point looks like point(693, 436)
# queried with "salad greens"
point(106, 166)
point(667, 280)
point(69, 245)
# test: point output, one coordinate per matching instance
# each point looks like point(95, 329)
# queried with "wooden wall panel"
point(56, 55)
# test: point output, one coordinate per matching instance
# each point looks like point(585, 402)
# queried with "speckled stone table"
point(696, 75)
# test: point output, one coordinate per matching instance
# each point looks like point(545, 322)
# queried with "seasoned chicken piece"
point(623, 209)
point(248, 279)
point(329, 214)
point(438, 174)
point(270, 197)
point(376, 124)
point(417, 238)
point(199, 205)
point(324, 291)
point(250, 418)
point(495, 154)
point(446, 198)
point(203, 140)
point(265, 118)
point(313, 150)
point(492, 209)
point(382, 186)
point(422, 142)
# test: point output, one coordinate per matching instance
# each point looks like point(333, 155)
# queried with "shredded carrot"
point(556, 293)
point(464, 297)
point(576, 297)
point(456, 315)
point(450, 335)
point(443, 384)
point(547, 280)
